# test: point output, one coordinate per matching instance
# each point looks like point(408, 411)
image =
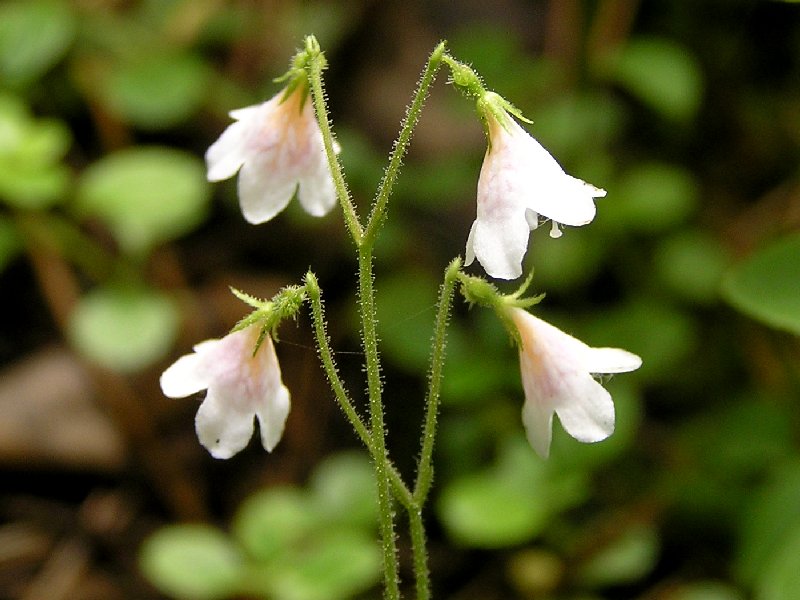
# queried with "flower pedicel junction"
point(285, 148)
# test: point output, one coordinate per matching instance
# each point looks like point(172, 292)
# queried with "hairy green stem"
point(372, 360)
point(378, 214)
point(401, 491)
point(425, 464)
point(420, 552)
point(314, 69)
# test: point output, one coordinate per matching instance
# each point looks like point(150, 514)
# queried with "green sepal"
point(270, 313)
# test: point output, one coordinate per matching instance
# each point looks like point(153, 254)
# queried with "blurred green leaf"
point(34, 35)
point(146, 195)
point(509, 503)
point(572, 126)
point(765, 285)
point(626, 559)
point(661, 73)
point(706, 590)
point(124, 328)
point(271, 521)
point(650, 197)
point(157, 90)
point(193, 562)
point(336, 564)
point(342, 488)
point(770, 533)
point(691, 264)
point(780, 579)
point(30, 149)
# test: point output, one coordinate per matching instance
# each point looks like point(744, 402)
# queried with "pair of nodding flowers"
point(277, 148)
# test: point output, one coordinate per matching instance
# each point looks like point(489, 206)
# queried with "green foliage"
point(287, 543)
point(31, 174)
point(192, 562)
point(651, 198)
point(764, 286)
point(156, 91)
point(124, 328)
point(661, 73)
point(146, 195)
point(34, 35)
point(509, 502)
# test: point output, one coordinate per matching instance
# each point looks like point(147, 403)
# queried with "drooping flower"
point(278, 150)
point(519, 184)
point(241, 387)
point(557, 377)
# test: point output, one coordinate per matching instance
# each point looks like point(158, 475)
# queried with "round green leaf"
point(146, 195)
point(158, 90)
point(270, 522)
point(124, 329)
point(625, 560)
point(34, 35)
point(765, 286)
point(483, 511)
point(780, 579)
point(336, 564)
point(692, 264)
point(650, 198)
point(660, 73)
point(194, 562)
point(343, 488)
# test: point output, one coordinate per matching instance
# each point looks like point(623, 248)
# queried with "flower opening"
point(519, 184)
point(557, 376)
point(277, 149)
point(241, 386)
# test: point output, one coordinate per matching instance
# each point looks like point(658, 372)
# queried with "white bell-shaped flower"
point(557, 377)
point(278, 150)
point(520, 182)
point(241, 387)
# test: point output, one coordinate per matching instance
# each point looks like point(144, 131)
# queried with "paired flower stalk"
point(283, 148)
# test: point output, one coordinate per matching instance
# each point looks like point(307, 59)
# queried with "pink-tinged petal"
point(221, 428)
point(317, 193)
point(557, 377)
point(254, 110)
point(265, 188)
point(186, 376)
point(538, 421)
point(226, 156)
point(584, 407)
point(272, 417)
point(611, 360)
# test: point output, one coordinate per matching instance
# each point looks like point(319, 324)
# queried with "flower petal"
point(264, 190)
point(186, 376)
point(317, 193)
point(225, 156)
point(538, 421)
point(272, 417)
point(469, 253)
point(564, 198)
point(584, 407)
point(222, 429)
point(500, 245)
point(611, 360)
